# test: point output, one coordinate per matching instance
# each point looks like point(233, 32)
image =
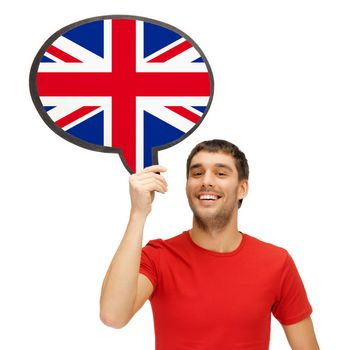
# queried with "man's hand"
point(142, 186)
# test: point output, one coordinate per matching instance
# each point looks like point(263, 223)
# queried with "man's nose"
point(208, 179)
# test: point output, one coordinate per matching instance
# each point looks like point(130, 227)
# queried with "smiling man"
point(211, 287)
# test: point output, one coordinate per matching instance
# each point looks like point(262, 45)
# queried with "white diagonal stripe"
point(170, 117)
point(83, 118)
point(52, 57)
point(76, 50)
point(194, 110)
point(164, 49)
point(188, 55)
point(66, 105)
point(90, 61)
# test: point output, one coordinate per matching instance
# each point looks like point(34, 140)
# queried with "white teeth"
point(208, 196)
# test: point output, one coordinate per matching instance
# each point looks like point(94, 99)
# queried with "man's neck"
point(222, 240)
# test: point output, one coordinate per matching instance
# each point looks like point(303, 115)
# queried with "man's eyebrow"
point(196, 165)
point(218, 165)
point(222, 165)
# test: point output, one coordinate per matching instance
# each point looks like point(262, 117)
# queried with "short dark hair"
point(217, 145)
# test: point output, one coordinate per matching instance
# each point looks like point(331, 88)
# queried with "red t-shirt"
point(206, 300)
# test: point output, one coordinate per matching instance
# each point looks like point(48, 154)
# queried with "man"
point(212, 287)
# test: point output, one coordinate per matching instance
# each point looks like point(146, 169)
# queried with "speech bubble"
point(122, 84)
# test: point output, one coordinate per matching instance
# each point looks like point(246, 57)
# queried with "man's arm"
point(301, 335)
point(124, 291)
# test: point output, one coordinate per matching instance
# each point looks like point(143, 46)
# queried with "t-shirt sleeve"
point(150, 258)
point(292, 304)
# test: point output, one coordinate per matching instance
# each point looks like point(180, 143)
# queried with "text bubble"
point(123, 84)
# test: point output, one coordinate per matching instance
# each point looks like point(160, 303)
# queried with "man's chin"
point(208, 213)
point(207, 218)
point(212, 222)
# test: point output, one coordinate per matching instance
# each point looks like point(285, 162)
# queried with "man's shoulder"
point(159, 242)
point(261, 247)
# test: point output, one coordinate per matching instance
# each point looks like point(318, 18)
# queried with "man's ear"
point(243, 189)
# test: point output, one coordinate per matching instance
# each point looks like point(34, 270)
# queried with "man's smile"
point(208, 197)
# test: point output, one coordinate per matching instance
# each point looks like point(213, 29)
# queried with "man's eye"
point(197, 173)
point(221, 174)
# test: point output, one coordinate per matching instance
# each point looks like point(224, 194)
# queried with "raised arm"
point(122, 288)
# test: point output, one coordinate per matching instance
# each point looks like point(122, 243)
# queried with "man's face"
point(213, 189)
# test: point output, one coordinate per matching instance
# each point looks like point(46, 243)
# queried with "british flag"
point(122, 84)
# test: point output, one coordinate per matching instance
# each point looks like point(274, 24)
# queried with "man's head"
point(216, 145)
point(217, 181)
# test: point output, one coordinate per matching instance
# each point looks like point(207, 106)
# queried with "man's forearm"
point(120, 284)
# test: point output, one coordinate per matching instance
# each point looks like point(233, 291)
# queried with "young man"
point(212, 287)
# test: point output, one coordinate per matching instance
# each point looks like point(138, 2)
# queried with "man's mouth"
point(209, 197)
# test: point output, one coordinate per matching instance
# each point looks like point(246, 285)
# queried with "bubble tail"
point(128, 160)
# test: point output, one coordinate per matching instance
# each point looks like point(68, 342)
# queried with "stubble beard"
point(215, 222)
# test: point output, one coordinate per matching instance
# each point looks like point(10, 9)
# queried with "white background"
point(282, 84)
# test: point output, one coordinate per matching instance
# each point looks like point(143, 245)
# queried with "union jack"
point(122, 84)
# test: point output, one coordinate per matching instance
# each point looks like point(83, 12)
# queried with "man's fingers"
point(154, 168)
point(151, 177)
point(148, 181)
point(143, 184)
point(154, 185)
point(145, 176)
